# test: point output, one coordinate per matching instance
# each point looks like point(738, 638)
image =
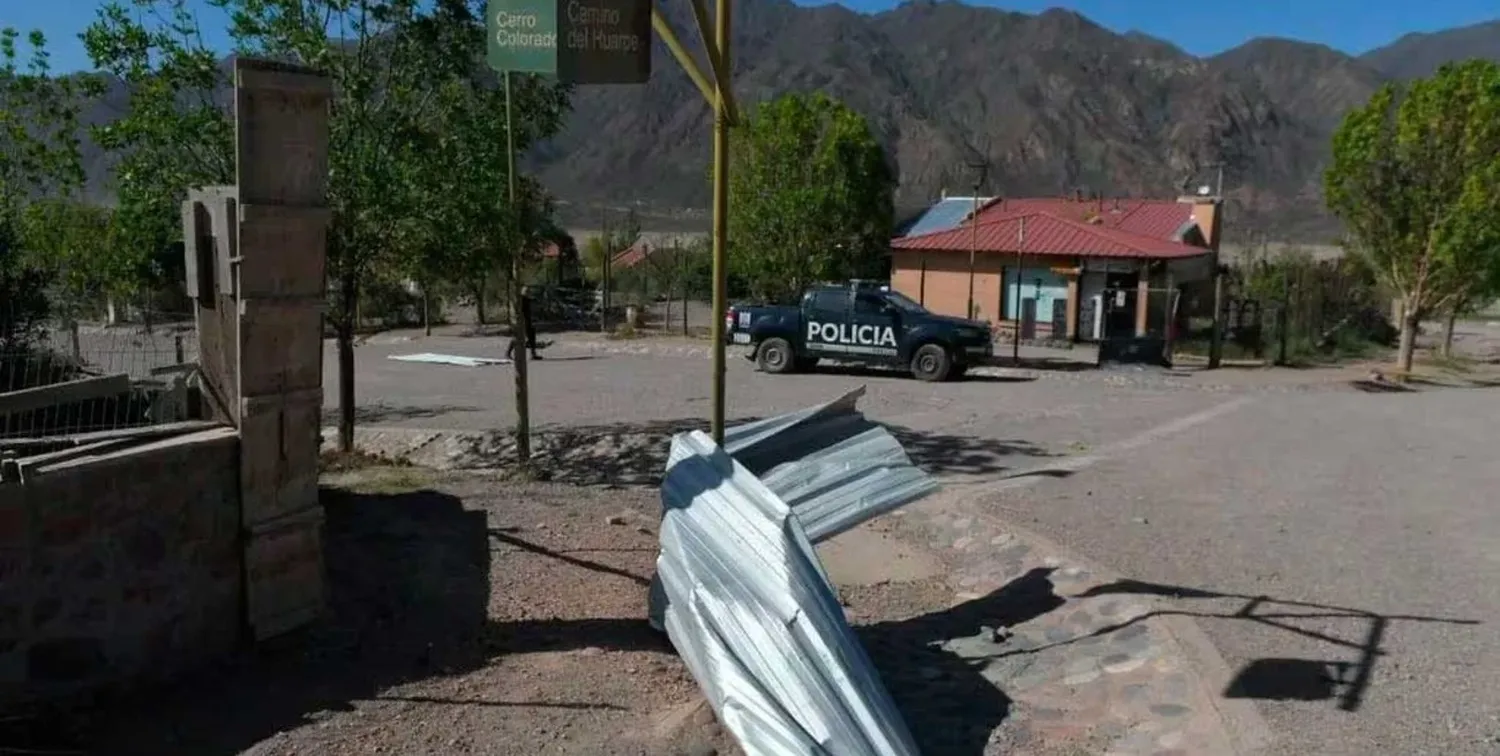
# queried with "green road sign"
point(581, 41)
point(523, 35)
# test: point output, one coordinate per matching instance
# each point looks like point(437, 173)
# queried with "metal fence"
point(668, 289)
point(1293, 307)
point(61, 378)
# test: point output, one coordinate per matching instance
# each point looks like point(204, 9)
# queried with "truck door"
point(875, 326)
point(826, 311)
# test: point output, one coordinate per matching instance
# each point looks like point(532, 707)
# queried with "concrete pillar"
point(282, 161)
point(1073, 304)
point(1142, 303)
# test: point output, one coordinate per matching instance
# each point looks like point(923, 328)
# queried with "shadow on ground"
point(408, 596)
point(636, 453)
point(408, 601)
point(384, 413)
point(897, 373)
point(1281, 679)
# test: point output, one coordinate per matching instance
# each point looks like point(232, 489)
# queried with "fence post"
point(1283, 319)
point(1216, 336)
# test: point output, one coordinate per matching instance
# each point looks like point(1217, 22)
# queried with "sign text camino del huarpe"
point(580, 41)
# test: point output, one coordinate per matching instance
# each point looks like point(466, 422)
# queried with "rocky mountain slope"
point(1053, 103)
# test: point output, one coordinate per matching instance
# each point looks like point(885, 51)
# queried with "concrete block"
point(280, 347)
point(284, 573)
point(66, 660)
point(279, 467)
point(283, 136)
point(14, 519)
point(283, 252)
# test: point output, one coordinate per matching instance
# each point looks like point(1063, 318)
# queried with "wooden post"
point(518, 324)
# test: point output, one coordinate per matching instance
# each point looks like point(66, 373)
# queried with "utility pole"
point(721, 213)
point(1015, 342)
point(519, 328)
point(1216, 335)
point(978, 165)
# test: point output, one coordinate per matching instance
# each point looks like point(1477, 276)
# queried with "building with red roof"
point(1075, 268)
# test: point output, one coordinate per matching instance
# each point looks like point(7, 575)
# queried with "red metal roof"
point(1158, 219)
point(631, 256)
point(1048, 235)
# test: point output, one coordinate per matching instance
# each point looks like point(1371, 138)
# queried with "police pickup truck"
point(860, 322)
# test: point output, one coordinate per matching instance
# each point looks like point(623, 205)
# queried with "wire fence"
point(662, 290)
point(63, 378)
point(1293, 308)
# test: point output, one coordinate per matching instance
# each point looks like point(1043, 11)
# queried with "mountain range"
point(1052, 102)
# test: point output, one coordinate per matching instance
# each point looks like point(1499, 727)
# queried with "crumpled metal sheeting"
point(838, 487)
point(764, 444)
point(834, 467)
point(755, 618)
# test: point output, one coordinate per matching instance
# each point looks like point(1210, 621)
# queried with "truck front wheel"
point(775, 356)
point(931, 363)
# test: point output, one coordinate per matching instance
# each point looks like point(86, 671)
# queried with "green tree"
point(174, 132)
point(812, 196)
point(464, 183)
point(39, 155)
point(77, 245)
point(1416, 179)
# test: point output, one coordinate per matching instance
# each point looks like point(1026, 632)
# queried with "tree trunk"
point(1408, 344)
point(74, 341)
point(111, 317)
point(518, 335)
point(479, 304)
point(349, 292)
point(426, 312)
point(1448, 331)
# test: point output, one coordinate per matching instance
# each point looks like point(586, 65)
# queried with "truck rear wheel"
point(775, 356)
point(931, 363)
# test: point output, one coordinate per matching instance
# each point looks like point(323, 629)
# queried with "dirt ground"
point(473, 615)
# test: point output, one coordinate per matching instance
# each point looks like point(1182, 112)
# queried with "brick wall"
point(120, 568)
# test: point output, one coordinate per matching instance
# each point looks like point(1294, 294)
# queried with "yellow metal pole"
point(721, 208)
point(684, 58)
point(716, 62)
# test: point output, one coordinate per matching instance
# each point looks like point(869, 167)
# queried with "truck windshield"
point(902, 302)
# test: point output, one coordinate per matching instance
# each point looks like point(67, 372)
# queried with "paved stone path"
point(1088, 671)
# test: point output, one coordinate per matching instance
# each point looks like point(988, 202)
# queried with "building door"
point(1059, 318)
point(1119, 305)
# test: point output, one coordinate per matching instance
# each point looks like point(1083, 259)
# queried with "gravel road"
point(1272, 493)
point(1367, 519)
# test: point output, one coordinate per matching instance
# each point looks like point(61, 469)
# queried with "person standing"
point(524, 309)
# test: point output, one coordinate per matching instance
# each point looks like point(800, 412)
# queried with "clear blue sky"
point(1201, 28)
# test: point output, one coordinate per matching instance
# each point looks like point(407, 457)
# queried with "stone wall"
point(120, 567)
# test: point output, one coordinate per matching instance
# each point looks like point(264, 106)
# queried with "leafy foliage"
point(175, 133)
point(38, 154)
point(1416, 179)
point(811, 194)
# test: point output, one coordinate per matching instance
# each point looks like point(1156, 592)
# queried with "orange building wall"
point(942, 285)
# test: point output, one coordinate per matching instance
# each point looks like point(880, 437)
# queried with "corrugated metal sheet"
point(945, 214)
point(1048, 235)
point(740, 590)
